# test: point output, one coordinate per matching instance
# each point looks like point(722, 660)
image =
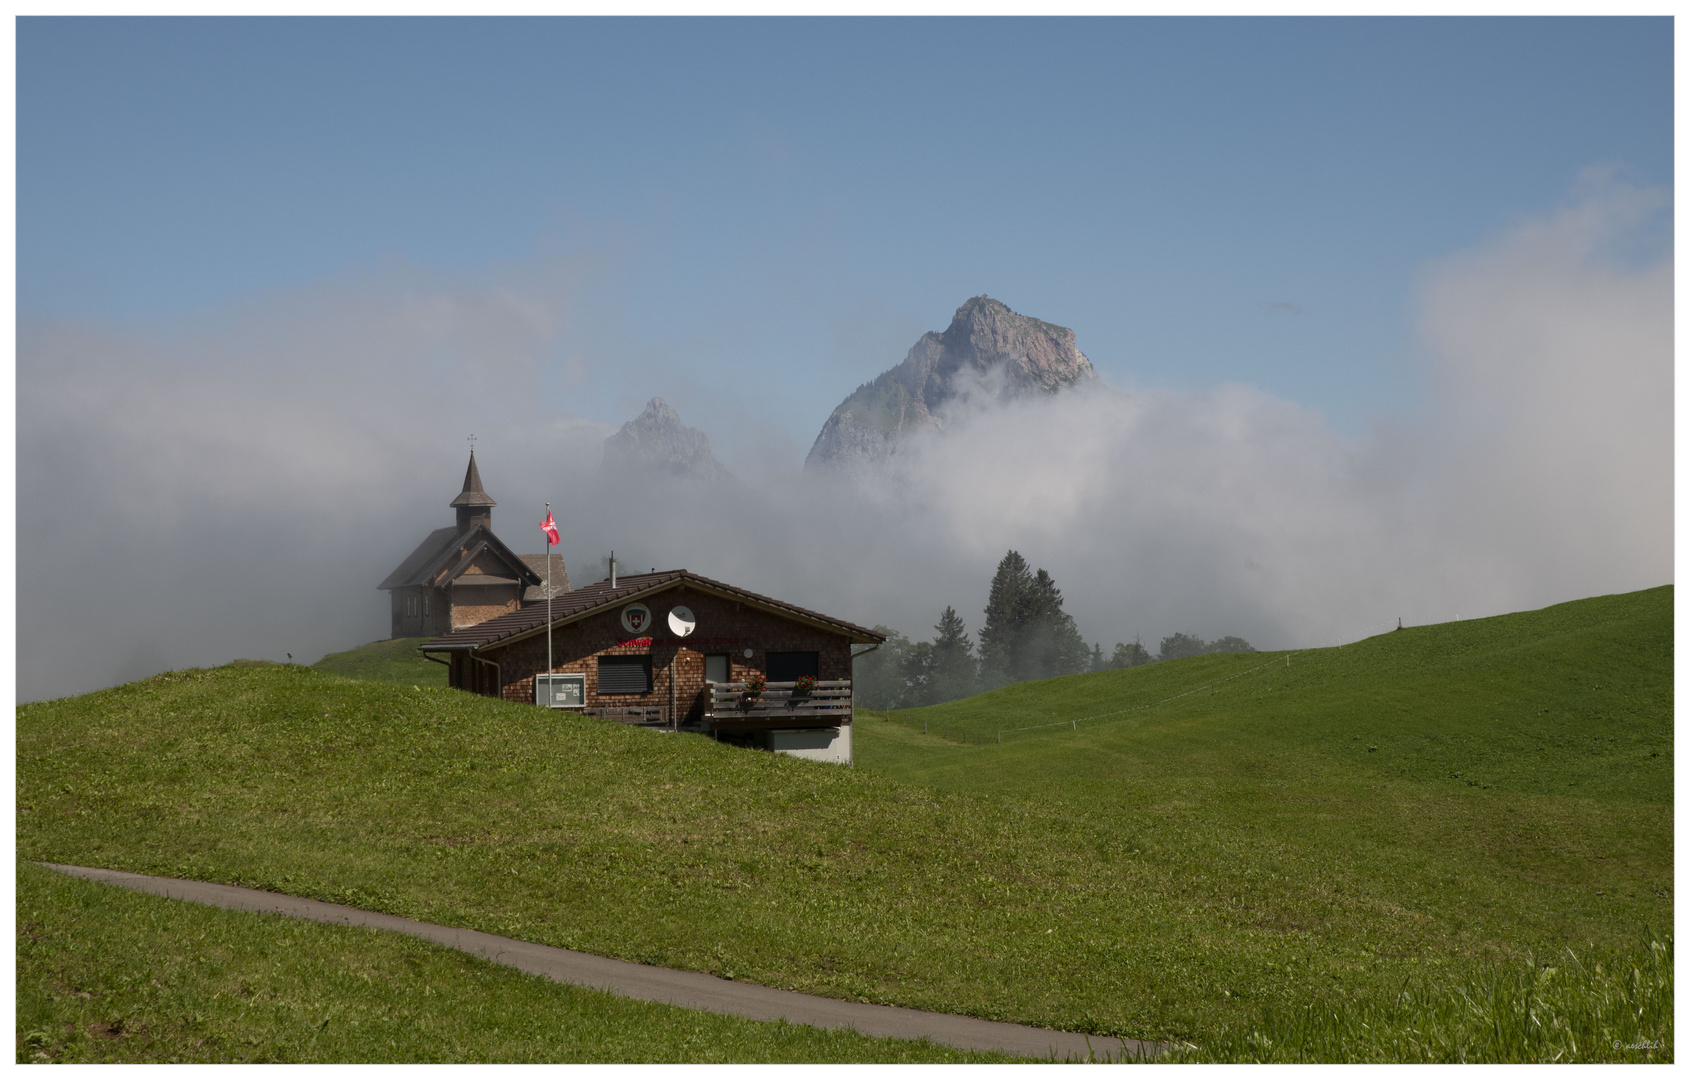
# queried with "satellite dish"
point(681, 621)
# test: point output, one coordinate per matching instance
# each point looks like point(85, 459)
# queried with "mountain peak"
point(985, 333)
point(986, 344)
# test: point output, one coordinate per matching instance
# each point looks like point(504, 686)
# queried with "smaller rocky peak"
point(659, 416)
point(657, 442)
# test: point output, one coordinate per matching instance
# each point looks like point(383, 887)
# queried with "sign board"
point(636, 618)
point(560, 691)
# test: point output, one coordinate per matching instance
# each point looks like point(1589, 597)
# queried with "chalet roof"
point(560, 578)
point(591, 599)
point(472, 495)
point(451, 550)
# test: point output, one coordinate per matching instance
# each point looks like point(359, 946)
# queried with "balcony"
point(780, 705)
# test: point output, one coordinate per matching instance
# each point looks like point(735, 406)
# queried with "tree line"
point(1026, 635)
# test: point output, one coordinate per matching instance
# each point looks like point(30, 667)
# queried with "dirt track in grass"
point(686, 989)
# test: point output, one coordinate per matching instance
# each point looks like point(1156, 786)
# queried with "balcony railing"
point(828, 705)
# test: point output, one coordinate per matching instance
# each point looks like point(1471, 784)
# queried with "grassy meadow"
point(395, 660)
point(109, 975)
point(1446, 843)
point(1511, 776)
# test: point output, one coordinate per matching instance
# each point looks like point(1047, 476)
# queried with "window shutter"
point(625, 674)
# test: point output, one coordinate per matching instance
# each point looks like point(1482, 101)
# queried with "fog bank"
point(239, 486)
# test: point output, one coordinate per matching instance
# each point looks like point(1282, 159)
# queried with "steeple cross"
point(472, 443)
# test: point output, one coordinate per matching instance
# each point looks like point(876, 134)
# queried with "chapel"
point(463, 574)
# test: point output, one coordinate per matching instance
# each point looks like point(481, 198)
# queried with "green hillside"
point(1381, 832)
point(395, 660)
point(1513, 773)
point(1574, 699)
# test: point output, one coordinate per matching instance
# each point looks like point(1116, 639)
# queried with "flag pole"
point(551, 693)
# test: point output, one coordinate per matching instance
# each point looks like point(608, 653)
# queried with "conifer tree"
point(953, 675)
point(1027, 635)
point(1049, 643)
point(1006, 614)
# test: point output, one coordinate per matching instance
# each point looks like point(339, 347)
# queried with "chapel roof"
point(450, 551)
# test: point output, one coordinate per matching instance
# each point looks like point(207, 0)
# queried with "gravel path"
point(687, 989)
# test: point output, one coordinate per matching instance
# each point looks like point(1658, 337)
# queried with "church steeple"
point(475, 506)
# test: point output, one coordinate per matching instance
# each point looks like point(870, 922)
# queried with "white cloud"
point(1554, 364)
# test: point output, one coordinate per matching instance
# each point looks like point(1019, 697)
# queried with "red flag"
point(551, 528)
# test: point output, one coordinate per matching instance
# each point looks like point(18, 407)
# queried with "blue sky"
point(787, 203)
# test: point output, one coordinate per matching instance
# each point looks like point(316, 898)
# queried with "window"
point(425, 603)
point(717, 668)
point(410, 603)
point(787, 666)
point(625, 674)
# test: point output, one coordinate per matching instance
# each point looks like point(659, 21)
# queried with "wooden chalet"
point(673, 650)
point(463, 574)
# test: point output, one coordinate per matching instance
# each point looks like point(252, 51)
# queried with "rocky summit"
point(986, 349)
point(657, 443)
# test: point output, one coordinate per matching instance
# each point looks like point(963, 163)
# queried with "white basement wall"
point(818, 744)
